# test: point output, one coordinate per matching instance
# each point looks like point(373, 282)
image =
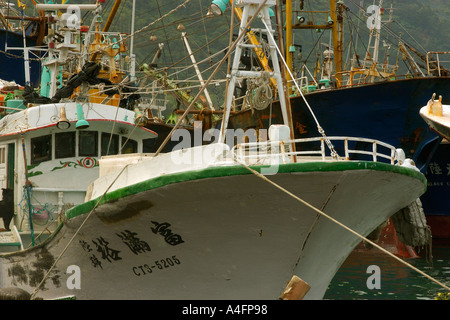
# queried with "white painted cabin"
point(61, 163)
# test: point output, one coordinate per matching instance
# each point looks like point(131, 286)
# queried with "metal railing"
point(435, 62)
point(351, 148)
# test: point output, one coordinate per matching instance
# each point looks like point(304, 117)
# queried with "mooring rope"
point(259, 175)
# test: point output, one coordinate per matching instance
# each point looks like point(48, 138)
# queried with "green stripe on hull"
point(216, 172)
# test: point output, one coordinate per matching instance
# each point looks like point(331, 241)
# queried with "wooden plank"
point(296, 289)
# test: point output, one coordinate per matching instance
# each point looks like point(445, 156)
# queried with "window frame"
point(81, 144)
point(49, 152)
point(115, 137)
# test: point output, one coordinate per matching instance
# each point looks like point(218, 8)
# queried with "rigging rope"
point(164, 29)
point(149, 25)
point(387, 29)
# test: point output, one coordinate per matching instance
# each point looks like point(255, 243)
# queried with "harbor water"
point(355, 279)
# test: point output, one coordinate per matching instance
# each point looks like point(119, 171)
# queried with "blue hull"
point(437, 198)
point(387, 111)
point(12, 67)
point(436, 201)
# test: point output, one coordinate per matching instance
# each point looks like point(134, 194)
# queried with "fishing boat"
point(19, 35)
point(437, 116)
point(50, 154)
point(51, 144)
point(144, 234)
point(220, 221)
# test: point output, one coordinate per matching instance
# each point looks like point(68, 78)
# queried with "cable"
point(261, 176)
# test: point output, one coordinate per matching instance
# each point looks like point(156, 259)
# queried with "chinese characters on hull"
point(131, 240)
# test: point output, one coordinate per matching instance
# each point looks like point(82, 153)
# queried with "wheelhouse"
point(59, 162)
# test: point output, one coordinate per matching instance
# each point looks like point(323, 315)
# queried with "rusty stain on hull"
point(131, 210)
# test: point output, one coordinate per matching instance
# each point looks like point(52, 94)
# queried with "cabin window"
point(64, 145)
point(128, 146)
point(149, 145)
point(2, 155)
point(88, 145)
point(110, 144)
point(41, 149)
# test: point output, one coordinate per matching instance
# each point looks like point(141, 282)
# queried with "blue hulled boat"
point(12, 64)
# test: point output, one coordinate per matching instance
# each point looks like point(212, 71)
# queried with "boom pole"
point(111, 16)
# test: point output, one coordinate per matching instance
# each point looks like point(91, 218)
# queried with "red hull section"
point(389, 241)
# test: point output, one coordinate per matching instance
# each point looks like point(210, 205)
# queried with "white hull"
point(233, 235)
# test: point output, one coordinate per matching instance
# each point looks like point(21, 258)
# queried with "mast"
point(335, 22)
point(254, 41)
point(372, 68)
point(197, 71)
point(249, 7)
point(132, 55)
point(112, 14)
point(375, 20)
point(288, 41)
point(283, 74)
point(26, 54)
point(337, 31)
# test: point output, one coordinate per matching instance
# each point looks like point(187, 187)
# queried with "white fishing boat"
point(61, 144)
point(219, 222)
point(213, 230)
point(437, 116)
point(50, 147)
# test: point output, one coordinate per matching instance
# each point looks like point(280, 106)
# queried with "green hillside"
point(421, 24)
